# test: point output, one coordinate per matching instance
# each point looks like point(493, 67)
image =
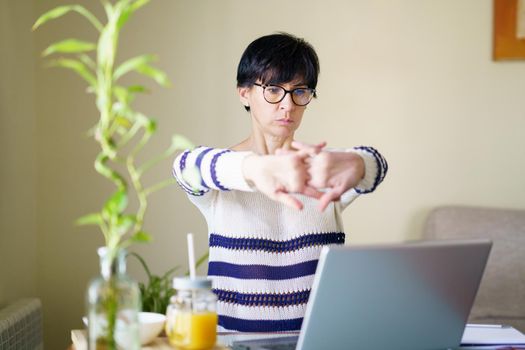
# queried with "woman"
point(271, 203)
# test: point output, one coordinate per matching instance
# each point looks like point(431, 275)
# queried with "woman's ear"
point(244, 94)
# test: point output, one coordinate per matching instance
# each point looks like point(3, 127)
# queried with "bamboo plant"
point(121, 131)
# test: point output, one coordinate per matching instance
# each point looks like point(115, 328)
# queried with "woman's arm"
point(203, 169)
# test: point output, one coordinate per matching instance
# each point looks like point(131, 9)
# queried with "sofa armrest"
point(21, 325)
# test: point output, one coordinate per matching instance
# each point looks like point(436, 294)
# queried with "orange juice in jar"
point(191, 316)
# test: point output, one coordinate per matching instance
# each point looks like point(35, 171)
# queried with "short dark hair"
point(276, 59)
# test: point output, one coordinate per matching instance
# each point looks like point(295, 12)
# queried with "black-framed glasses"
point(275, 94)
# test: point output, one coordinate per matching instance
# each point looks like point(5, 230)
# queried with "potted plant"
point(157, 290)
point(121, 132)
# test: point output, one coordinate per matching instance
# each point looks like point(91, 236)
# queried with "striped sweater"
point(263, 254)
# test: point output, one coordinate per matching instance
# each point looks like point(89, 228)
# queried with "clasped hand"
point(306, 169)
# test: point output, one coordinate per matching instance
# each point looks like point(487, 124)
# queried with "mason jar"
point(191, 317)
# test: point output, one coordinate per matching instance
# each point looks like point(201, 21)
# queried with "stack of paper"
point(486, 336)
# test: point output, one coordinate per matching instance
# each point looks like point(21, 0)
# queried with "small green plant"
point(158, 290)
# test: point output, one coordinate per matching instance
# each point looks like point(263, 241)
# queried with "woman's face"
point(273, 119)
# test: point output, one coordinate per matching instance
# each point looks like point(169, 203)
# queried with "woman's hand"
point(278, 175)
point(336, 172)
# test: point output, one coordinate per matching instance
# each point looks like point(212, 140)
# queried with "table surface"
point(78, 337)
point(226, 338)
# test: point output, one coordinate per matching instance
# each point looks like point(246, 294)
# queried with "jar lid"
point(188, 283)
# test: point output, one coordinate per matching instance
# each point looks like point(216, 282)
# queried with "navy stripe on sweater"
point(382, 168)
point(274, 246)
point(243, 325)
point(264, 272)
point(198, 162)
point(263, 299)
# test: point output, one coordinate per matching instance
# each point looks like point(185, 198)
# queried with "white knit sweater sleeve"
point(376, 168)
point(203, 169)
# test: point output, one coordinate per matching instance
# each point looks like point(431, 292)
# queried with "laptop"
point(407, 296)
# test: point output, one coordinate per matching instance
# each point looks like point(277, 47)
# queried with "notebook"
point(409, 296)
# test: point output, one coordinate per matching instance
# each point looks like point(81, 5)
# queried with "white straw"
point(191, 255)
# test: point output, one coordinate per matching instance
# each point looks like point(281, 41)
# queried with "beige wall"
point(413, 78)
point(18, 235)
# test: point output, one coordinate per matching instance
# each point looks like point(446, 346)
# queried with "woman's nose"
point(287, 102)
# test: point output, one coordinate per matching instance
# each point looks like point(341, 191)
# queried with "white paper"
point(492, 335)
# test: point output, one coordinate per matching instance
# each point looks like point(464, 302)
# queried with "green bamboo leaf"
point(123, 122)
point(137, 89)
point(140, 237)
point(128, 9)
point(90, 219)
point(156, 74)
point(81, 10)
point(123, 18)
point(179, 142)
point(126, 95)
point(62, 10)
point(69, 46)
point(51, 14)
point(90, 17)
point(138, 4)
point(132, 64)
point(116, 203)
point(151, 126)
point(78, 67)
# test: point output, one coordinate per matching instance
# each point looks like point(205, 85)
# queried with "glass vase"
point(113, 304)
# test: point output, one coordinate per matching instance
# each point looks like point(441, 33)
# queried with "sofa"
point(501, 296)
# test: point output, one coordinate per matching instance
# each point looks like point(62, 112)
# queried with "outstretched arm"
point(277, 176)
